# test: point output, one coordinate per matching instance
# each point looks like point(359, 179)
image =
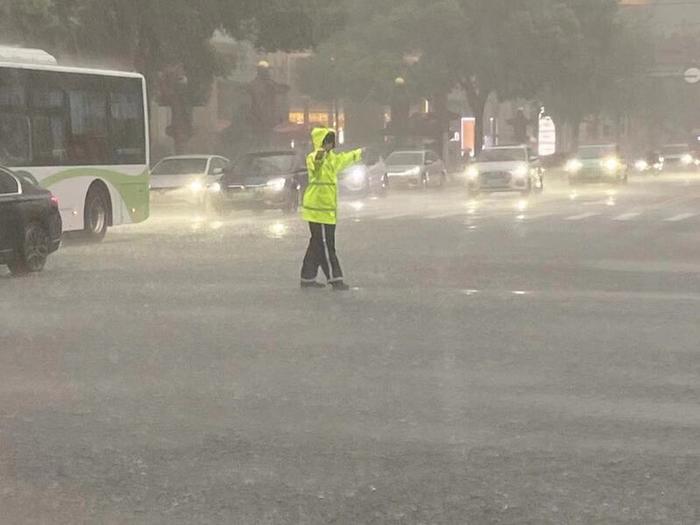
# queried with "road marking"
point(582, 216)
point(627, 216)
point(395, 216)
point(526, 217)
point(446, 215)
point(680, 217)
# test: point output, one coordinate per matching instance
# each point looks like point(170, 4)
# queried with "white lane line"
point(581, 216)
point(395, 216)
point(534, 217)
point(627, 216)
point(680, 217)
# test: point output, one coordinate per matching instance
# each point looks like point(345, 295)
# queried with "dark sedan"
point(30, 224)
point(265, 180)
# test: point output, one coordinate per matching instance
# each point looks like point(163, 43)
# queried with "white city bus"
point(81, 133)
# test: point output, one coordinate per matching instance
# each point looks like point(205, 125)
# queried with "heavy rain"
point(349, 261)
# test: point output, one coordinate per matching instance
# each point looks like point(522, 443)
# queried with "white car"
point(678, 157)
point(503, 169)
point(186, 177)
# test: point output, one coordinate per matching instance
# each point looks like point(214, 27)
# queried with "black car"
point(264, 180)
point(30, 224)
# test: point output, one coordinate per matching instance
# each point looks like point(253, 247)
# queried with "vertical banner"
point(547, 139)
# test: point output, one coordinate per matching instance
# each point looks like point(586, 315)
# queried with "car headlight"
point(215, 187)
point(520, 172)
point(472, 173)
point(611, 164)
point(641, 165)
point(574, 166)
point(356, 177)
point(276, 184)
point(687, 159)
point(196, 186)
point(414, 171)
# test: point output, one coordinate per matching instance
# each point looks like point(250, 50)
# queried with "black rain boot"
point(340, 286)
point(309, 285)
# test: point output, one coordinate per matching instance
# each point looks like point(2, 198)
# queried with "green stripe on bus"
point(133, 189)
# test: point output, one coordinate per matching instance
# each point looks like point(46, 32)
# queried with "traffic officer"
point(320, 208)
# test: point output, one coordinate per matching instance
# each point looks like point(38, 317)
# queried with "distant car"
point(264, 180)
point(503, 169)
point(599, 163)
point(678, 157)
point(30, 224)
point(367, 178)
point(652, 163)
point(420, 168)
point(186, 177)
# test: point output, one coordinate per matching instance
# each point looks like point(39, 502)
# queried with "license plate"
point(496, 181)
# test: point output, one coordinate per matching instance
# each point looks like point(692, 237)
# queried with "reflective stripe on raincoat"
point(321, 196)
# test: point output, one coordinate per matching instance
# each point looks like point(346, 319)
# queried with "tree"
point(480, 46)
point(602, 63)
point(166, 40)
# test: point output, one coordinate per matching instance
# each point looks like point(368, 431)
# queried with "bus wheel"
point(96, 214)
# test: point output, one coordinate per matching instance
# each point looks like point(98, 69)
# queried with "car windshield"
point(679, 149)
point(405, 158)
point(180, 167)
point(267, 165)
point(596, 152)
point(502, 155)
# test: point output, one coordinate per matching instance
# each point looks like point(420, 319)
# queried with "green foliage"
point(575, 55)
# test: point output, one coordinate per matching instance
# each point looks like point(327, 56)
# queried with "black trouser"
point(321, 252)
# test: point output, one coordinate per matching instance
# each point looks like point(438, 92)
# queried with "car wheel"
point(33, 252)
point(96, 214)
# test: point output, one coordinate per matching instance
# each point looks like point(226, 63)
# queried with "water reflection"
point(277, 230)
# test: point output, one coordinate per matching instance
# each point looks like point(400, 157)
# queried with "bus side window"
point(49, 121)
point(126, 121)
point(89, 142)
point(49, 140)
point(14, 126)
point(14, 140)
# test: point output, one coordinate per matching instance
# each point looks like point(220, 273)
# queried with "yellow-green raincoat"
point(321, 197)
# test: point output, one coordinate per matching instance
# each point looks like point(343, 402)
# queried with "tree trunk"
point(575, 132)
point(477, 102)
